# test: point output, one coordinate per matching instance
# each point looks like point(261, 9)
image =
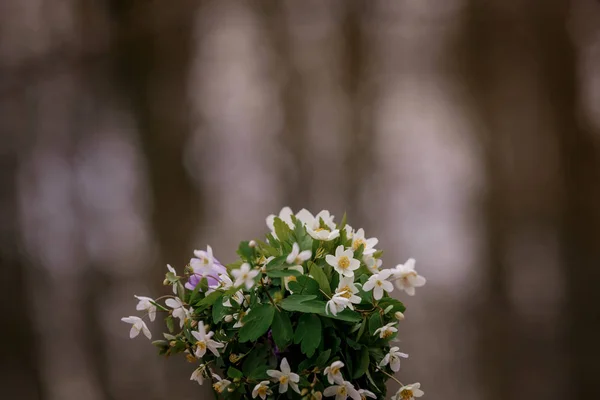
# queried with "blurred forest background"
point(464, 133)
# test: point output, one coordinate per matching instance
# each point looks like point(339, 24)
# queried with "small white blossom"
point(334, 375)
point(407, 278)
point(342, 391)
point(262, 390)
point(408, 392)
point(179, 311)
point(204, 261)
point(285, 377)
point(245, 276)
point(198, 374)
point(349, 231)
point(373, 264)
point(297, 257)
point(358, 238)
point(138, 326)
point(204, 342)
point(346, 288)
point(364, 393)
point(393, 358)
point(146, 304)
point(324, 235)
point(171, 269)
point(338, 303)
point(238, 297)
point(386, 331)
point(220, 384)
point(378, 284)
point(314, 222)
point(343, 262)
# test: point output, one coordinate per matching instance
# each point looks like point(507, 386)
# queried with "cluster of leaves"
point(290, 323)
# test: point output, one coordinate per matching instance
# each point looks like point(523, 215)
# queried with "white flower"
point(205, 260)
point(364, 393)
point(198, 374)
point(342, 391)
point(238, 297)
point(408, 392)
point(324, 235)
point(378, 283)
point(220, 384)
point(179, 310)
point(334, 375)
point(225, 282)
point(358, 238)
point(346, 288)
point(204, 341)
point(288, 279)
point(171, 269)
point(285, 215)
point(393, 358)
point(138, 326)
point(239, 316)
point(245, 276)
point(407, 278)
point(338, 303)
point(386, 331)
point(343, 261)
point(314, 222)
point(262, 390)
point(297, 257)
point(349, 231)
point(285, 377)
point(146, 304)
point(373, 264)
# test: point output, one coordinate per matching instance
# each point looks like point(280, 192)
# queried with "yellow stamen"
point(357, 242)
point(344, 262)
point(283, 380)
point(406, 394)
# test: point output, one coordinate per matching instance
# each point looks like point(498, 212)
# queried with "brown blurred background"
point(464, 133)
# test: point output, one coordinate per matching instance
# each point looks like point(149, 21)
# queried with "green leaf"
point(170, 323)
point(282, 230)
point(372, 382)
point(171, 277)
point(323, 358)
point(219, 311)
point(257, 322)
point(303, 239)
point(203, 285)
point(245, 251)
point(308, 334)
point(282, 273)
point(301, 303)
point(397, 305)
point(234, 373)
point(259, 373)
point(209, 300)
point(363, 326)
point(346, 315)
point(377, 254)
point(180, 290)
point(277, 263)
point(304, 285)
point(254, 359)
point(319, 276)
point(363, 363)
point(282, 330)
point(374, 323)
point(343, 222)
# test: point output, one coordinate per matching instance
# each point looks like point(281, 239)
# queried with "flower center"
point(386, 334)
point(201, 345)
point(345, 292)
point(344, 262)
point(262, 390)
point(406, 394)
point(320, 229)
point(357, 242)
point(292, 278)
point(283, 380)
point(335, 370)
point(342, 390)
point(379, 283)
point(218, 387)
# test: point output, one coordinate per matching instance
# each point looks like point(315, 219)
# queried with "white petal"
point(330, 391)
point(285, 366)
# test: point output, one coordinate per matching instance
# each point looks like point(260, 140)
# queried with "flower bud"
point(303, 392)
point(173, 343)
point(388, 309)
point(166, 282)
point(228, 318)
point(252, 243)
point(399, 316)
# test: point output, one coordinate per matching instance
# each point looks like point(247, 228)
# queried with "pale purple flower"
point(206, 266)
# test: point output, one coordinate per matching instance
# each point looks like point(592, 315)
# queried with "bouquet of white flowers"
point(304, 314)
